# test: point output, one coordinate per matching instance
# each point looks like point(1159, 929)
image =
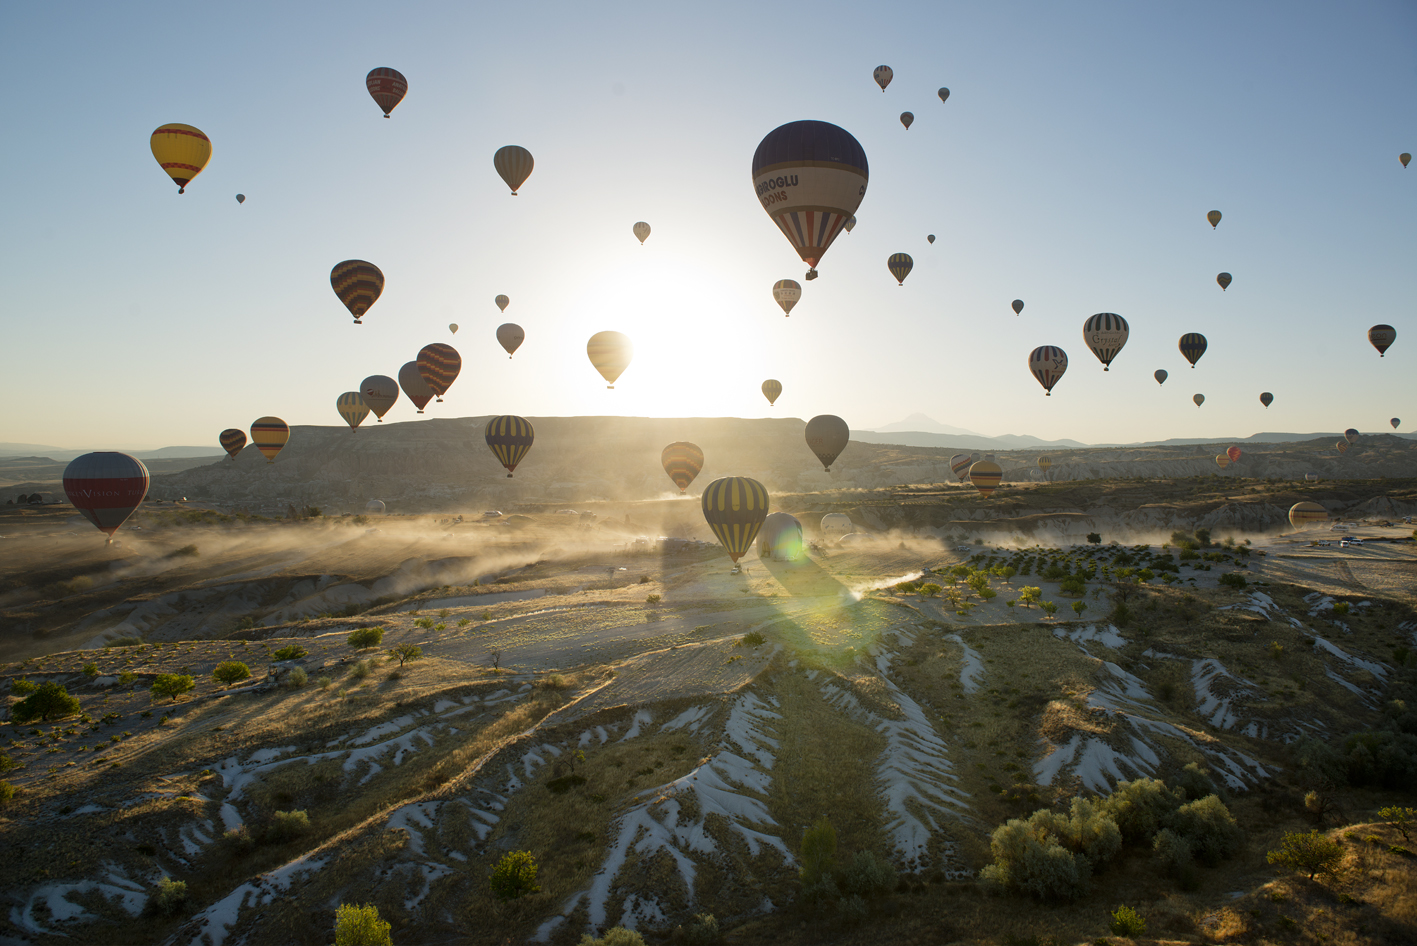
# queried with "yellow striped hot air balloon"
point(1221, 460)
point(734, 508)
point(641, 230)
point(985, 475)
point(1303, 515)
point(352, 408)
point(682, 461)
point(900, 265)
point(610, 353)
point(1214, 218)
point(787, 293)
point(1045, 464)
point(772, 390)
point(182, 151)
point(270, 435)
point(509, 437)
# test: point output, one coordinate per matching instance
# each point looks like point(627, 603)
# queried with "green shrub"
point(365, 638)
point(290, 652)
point(90, 670)
point(930, 589)
point(616, 936)
point(171, 894)
point(751, 639)
point(514, 875)
point(287, 826)
point(1049, 608)
point(1382, 758)
point(701, 931)
point(853, 910)
point(296, 678)
point(1051, 855)
point(1140, 807)
point(231, 671)
point(818, 854)
point(1233, 580)
point(1127, 922)
point(49, 701)
point(171, 684)
point(124, 641)
point(652, 599)
point(1310, 853)
point(22, 687)
point(1400, 818)
point(7, 793)
point(1194, 783)
point(404, 653)
point(357, 925)
point(361, 669)
point(1072, 586)
point(867, 876)
point(1340, 607)
point(1174, 850)
point(1209, 826)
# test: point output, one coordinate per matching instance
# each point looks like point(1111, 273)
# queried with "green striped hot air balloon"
point(734, 508)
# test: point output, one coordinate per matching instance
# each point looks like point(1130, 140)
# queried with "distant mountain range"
point(68, 453)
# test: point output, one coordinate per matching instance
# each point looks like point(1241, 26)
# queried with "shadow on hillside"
point(804, 578)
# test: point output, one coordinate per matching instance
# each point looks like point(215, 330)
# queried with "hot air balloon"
point(827, 436)
point(510, 336)
point(1192, 347)
point(930, 239)
point(682, 461)
point(1105, 333)
point(985, 475)
point(1311, 477)
point(1214, 218)
point(959, 465)
point(270, 435)
point(907, 119)
point(414, 387)
point(610, 353)
point(375, 507)
point(1341, 446)
point(944, 94)
point(106, 488)
point(387, 87)
point(1382, 337)
point(772, 390)
point(1045, 464)
point(1266, 399)
point(1224, 279)
point(380, 392)
point(882, 75)
point(1018, 307)
point(1221, 460)
point(510, 437)
point(788, 293)
point(849, 225)
point(810, 177)
point(1396, 422)
point(1233, 454)
point(1048, 362)
point(502, 302)
point(1160, 375)
point(1303, 515)
point(182, 151)
point(514, 163)
point(352, 408)
point(836, 525)
point(232, 440)
point(1404, 157)
point(453, 327)
point(1351, 435)
point(241, 198)
point(900, 265)
point(641, 232)
point(358, 284)
point(439, 364)
point(1199, 399)
point(734, 508)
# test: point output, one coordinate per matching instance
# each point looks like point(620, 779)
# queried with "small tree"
point(357, 925)
point(171, 684)
point(171, 894)
point(1128, 922)
point(1049, 608)
point(404, 653)
point(290, 652)
point(1094, 538)
point(365, 638)
point(1399, 818)
point(1310, 853)
point(49, 701)
point(1079, 607)
point(231, 671)
point(818, 851)
point(1029, 594)
point(514, 875)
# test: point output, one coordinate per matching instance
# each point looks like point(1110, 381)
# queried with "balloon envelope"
point(1266, 399)
point(1160, 375)
point(930, 238)
point(682, 461)
point(374, 506)
point(514, 163)
point(233, 440)
point(380, 392)
point(241, 198)
point(787, 293)
point(453, 327)
point(1199, 399)
point(810, 177)
point(352, 408)
point(1018, 306)
point(610, 353)
point(882, 75)
point(1214, 218)
point(772, 390)
point(1396, 422)
point(502, 302)
point(387, 87)
point(1048, 362)
point(1105, 333)
point(944, 94)
point(734, 508)
point(1044, 463)
point(182, 151)
point(510, 336)
point(1382, 337)
point(1224, 279)
point(959, 465)
point(509, 437)
point(1234, 454)
point(106, 487)
point(641, 232)
point(414, 387)
point(358, 284)
point(1404, 157)
point(1192, 346)
point(439, 364)
point(827, 436)
point(270, 435)
point(907, 119)
point(1303, 515)
point(985, 475)
point(849, 225)
point(1351, 435)
point(1221, 460)
point(900, 265)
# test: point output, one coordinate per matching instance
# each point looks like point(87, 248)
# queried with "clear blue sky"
point(1072, 167)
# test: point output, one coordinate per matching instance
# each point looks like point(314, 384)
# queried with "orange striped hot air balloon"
point(358, 284)
point(270, 435)
point(439, 363)
point(182, 151)
point(610, 353)
point(734, 508)
point(1303, 515)
point(985, 475)
point(106, 488)
point(959, 465)
point(772, 390)
point(1234, 454)
point(387, 87)
point(509, 437)
point(682, 461)
point(232, 441)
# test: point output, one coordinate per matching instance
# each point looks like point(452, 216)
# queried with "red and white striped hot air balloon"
point(106, 487)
